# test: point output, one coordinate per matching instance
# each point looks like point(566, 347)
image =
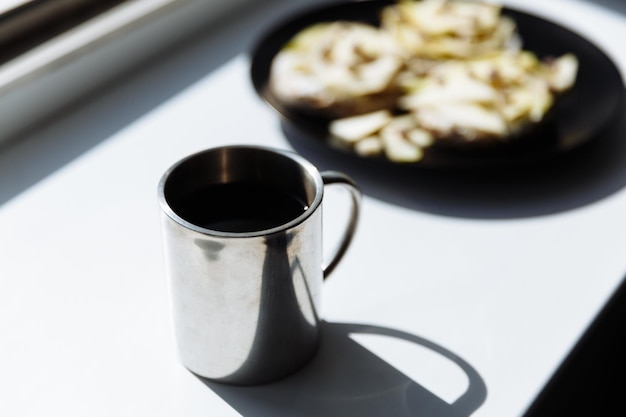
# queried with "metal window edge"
point(40, 83)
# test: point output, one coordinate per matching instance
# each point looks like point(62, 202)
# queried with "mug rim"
point(291, 155)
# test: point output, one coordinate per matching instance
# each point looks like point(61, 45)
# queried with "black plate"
point(579, 116)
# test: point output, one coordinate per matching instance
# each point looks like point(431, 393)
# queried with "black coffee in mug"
point(240, 207)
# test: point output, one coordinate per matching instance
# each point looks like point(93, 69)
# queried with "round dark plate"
point(579, 116)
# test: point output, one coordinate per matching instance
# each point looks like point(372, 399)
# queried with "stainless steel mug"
point(244, 270)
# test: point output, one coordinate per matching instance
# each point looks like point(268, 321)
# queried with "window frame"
point(42, 82)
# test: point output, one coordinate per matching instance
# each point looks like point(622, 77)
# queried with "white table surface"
point(506, 284)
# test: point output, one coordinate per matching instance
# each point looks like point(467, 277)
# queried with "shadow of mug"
point(346, 379)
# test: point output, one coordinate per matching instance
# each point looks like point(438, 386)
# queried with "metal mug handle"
point(334, 178)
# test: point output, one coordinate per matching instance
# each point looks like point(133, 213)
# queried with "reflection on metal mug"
point(242, 230)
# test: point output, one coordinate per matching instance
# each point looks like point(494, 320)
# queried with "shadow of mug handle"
point(345, 379)
point(476, 392)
